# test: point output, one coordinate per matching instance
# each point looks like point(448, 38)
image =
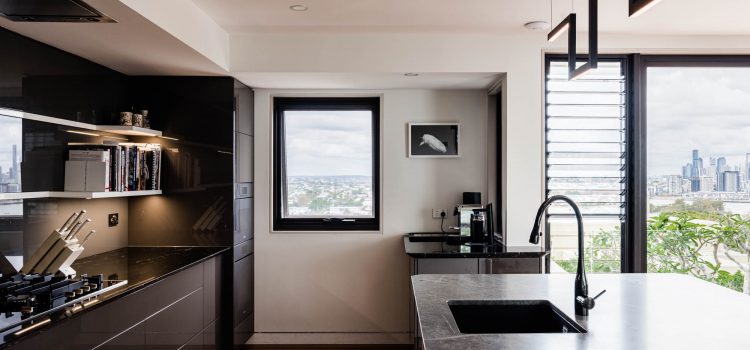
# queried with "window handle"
point(338, 220)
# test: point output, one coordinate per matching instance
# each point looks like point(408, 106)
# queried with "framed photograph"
point(433, 140)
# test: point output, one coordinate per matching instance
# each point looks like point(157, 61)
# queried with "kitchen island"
point(638, 311)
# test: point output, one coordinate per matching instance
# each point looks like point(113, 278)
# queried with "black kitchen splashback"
point(196, 114)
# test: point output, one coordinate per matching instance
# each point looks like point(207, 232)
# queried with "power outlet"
point(436, 213)
point(114, 219)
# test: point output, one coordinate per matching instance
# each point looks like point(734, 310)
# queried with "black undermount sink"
point(511, 316)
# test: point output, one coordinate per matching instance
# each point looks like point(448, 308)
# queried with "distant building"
point(14, 171)
point(697, 165)
point(730, 181)
point(686, 171)
point(674, 185)
point(686, 186)
point(705, 184)
point(721, 167)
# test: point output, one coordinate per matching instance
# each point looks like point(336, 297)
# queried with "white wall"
point(303, 299)
point(359, 282)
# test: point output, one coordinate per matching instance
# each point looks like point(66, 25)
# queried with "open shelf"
point(114, 129)
point(81, 195)
point(128, 130)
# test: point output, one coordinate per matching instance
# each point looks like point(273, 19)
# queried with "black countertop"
point(439, 248)
point(143, 265)
point(140, 266)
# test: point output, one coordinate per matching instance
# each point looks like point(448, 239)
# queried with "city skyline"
point(696, 108)
point(10, 134)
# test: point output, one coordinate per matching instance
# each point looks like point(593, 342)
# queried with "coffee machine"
point(465, 210)
point(482, 230)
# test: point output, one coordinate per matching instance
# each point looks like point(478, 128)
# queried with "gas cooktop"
point(32, 301)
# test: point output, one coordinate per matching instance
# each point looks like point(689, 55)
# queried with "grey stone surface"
point(639, 311)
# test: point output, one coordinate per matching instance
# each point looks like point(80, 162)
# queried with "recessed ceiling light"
point(298, 8)
point(537, 25)
point(411, 74)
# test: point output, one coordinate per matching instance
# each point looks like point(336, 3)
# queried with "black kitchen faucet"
point(583, 303)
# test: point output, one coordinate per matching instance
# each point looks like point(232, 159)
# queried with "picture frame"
point(433, 140)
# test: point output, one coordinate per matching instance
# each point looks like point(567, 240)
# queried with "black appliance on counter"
point(482, 228)
point(32, 301)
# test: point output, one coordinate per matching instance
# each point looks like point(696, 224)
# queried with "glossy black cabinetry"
point(243, 239)
point(181, 308)
point(200, 118)
point(40, 79)
point(196, 115)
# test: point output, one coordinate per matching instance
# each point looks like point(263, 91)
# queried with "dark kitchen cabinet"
point(243, 252)
point(515, 265)
point(176, 311)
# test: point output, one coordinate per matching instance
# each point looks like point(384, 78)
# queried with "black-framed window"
point(693, 162)
point(587, 158)
point(326, 158)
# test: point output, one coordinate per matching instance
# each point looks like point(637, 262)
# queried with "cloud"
point(329, 143)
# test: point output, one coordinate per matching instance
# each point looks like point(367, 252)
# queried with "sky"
point(697, 108)
point(10, 134)
point(328, 143)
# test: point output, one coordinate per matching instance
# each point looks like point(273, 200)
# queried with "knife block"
point(55, 255)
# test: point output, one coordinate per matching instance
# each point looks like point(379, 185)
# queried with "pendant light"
point(593, 57)
point(637, 7)
point(569, 24)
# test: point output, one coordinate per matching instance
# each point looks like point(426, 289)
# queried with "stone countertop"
point(141, 266)
point(441, 249)
point(639, 311)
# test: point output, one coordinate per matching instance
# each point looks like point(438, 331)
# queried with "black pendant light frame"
point(593, 57)
point(637, 6)
point(569, 23)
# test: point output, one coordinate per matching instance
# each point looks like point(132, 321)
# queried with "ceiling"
point(669, 17)
point(194, 37)
point(133, 45)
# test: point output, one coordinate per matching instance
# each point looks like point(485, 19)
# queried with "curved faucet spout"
point(581, 285)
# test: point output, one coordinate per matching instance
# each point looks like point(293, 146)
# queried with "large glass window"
point(326, 163)
point(698, 151)
point(585, 160)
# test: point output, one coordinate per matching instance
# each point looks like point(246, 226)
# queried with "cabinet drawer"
point(511, 265)
point(243, 288)
point(447, 266)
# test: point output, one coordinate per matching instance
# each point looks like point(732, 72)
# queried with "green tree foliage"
point(690, 242)
point(698, 238)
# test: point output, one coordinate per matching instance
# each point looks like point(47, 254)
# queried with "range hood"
point(51, 11)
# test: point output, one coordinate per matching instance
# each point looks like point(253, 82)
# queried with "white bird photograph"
point(434, 143)
point(433, 140)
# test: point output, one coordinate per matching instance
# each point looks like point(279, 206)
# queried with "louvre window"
point(585, 160)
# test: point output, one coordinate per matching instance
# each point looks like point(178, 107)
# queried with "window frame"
point(638, 129)
point(628, 241)
point(282, 104)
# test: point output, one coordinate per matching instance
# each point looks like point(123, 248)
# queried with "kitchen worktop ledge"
point(428, 250)
point(639, 311)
